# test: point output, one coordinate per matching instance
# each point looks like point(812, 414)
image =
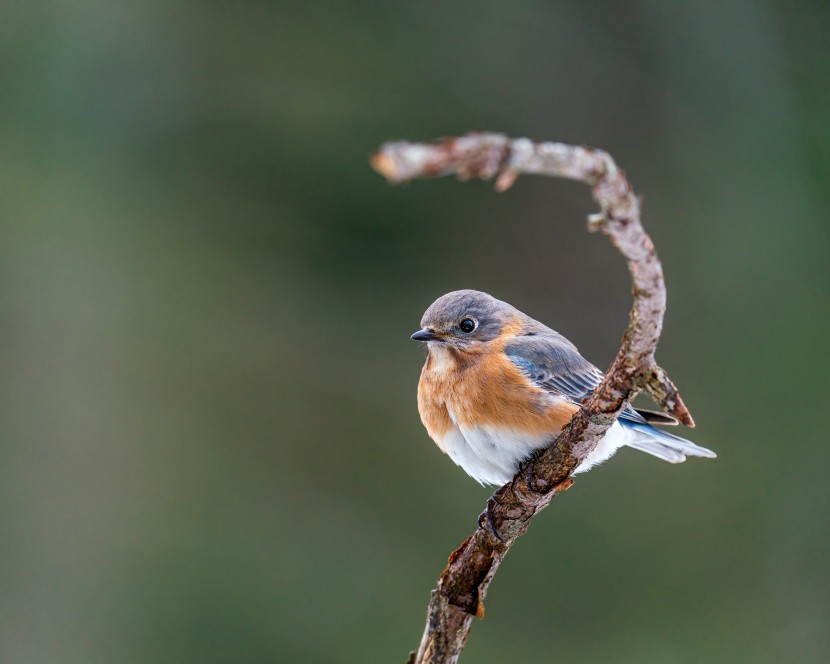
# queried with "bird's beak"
point(425, 335)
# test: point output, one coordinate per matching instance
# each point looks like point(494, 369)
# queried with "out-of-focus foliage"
point(209, 443)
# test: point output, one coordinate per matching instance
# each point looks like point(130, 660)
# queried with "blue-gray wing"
point(555, 365)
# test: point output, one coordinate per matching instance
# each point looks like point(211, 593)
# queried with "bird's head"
point(465, 320)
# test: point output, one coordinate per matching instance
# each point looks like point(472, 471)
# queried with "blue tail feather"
point(662, 444)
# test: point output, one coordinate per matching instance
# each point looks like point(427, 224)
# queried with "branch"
point(462, 587)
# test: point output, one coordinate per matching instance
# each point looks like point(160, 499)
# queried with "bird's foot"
point(526, 469)
point(486, 517)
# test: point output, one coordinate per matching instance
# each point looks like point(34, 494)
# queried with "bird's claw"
point(527, 470)
point(487, 516)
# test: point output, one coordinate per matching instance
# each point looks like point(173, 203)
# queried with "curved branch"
point(462, 587)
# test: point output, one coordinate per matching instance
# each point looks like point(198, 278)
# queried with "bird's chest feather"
point(485, 413)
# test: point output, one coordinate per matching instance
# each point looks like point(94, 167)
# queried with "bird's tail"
point(666, 446)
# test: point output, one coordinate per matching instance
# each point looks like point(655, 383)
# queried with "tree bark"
point(462, 586)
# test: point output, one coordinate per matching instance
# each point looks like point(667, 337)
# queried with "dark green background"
point(209, 443)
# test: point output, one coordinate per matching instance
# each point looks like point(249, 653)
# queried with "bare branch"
point(463, 584)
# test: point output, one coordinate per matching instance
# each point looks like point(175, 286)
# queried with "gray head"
point(466, 318)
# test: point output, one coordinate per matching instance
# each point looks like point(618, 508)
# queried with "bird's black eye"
point(467, 325)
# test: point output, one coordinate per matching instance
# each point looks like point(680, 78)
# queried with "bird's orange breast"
point(485, 389)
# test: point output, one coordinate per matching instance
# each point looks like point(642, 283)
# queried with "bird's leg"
point(487, 517)
point(526, 468)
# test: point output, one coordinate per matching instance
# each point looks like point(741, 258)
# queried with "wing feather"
point(555, 365)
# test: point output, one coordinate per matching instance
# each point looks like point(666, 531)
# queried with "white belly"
point(492, 455)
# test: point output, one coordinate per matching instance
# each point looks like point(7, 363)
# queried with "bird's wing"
point(554, 364)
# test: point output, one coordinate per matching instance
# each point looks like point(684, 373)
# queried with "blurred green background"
point(209, 444)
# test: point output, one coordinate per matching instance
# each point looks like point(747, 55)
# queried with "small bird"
point(498, 385)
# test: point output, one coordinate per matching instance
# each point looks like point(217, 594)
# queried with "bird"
point(498, 386)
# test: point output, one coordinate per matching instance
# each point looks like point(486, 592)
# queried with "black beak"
point(424, 335)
